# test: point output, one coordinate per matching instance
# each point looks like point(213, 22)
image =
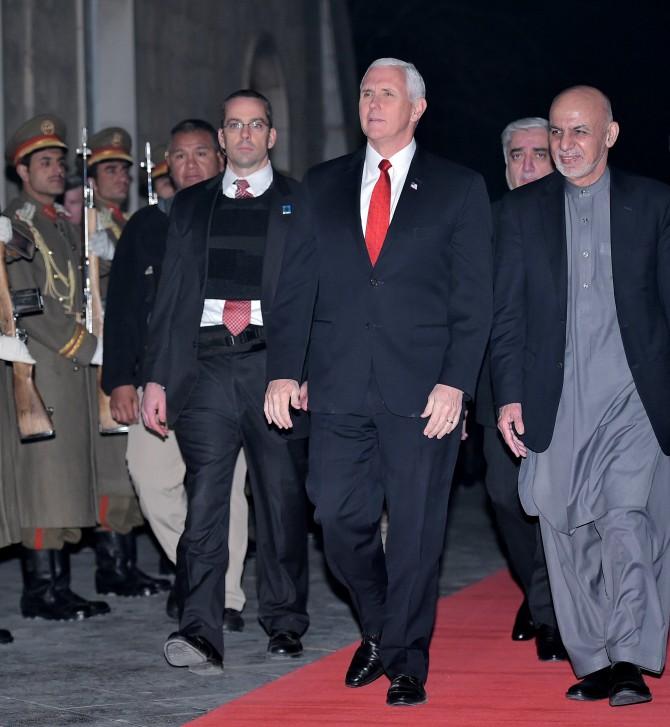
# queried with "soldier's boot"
point(117, 571)
point(62, 586)
point(40, 597)
point(6, 637)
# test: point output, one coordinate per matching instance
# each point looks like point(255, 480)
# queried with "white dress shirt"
point(259, 182)
point(400, 162)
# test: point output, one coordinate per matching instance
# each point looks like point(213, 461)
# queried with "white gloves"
point(5, 229)
point(99, 244)
point(13, 349)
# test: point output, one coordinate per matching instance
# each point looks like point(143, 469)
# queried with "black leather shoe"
point(232, 620)
point(366, 664)
point(284, 644)
point(405, 691)
point(549, 644)
point(592, 687)
point(194, 652)
point(5, 637)
point(524, 628)
point(627, 685)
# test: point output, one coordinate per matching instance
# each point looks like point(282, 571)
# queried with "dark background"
point(486, 63)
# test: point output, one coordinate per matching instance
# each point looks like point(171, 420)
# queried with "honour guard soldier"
point(54, 477)
point(160, 174)
point(118, 510)
point(9, 512)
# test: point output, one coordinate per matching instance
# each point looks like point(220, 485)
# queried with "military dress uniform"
point(9, 510)
point(117, 505)
point(55, 477)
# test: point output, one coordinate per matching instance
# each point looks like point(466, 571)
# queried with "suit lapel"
point(552, 213)
point(281, 211)
point(201, 225)
point(346, 203)
point(405, 211)
point(622, 224)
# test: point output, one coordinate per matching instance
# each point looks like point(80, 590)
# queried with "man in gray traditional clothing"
point(580, 355)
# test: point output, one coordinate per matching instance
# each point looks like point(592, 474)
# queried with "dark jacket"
point(530, 309)
point(172, 350)
point(133, 282)
point(419, 317)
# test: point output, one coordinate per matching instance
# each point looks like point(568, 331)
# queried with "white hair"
point(530, 122)
point(416, 88)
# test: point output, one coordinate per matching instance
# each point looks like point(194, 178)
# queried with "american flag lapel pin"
point(286, 209)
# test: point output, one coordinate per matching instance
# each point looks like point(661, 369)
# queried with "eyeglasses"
point(255, 125)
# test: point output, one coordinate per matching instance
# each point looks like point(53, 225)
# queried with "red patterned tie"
point(379, 212)
point(237, 313)
point(242, 189)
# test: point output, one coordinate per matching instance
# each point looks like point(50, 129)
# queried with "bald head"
point(586, 94)
point(581, 133)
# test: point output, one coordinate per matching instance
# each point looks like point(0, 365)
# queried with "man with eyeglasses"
point(205, 373)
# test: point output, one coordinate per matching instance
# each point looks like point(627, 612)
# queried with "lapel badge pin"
point(286, 209)
point(414, 186)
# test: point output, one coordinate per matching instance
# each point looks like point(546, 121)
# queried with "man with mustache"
point(55, 478)
point(205, 368)
point(119, 512)
point(580, 357)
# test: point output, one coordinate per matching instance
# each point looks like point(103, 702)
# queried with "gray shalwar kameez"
point(602, 488)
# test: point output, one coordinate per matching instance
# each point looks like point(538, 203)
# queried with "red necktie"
point(237, 313)
point(242, 189)
point(379, 212)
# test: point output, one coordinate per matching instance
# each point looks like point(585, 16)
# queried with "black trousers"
point(224, 413)
point(520, 533)
point(357, 462)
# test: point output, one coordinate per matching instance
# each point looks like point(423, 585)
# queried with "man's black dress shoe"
point(405, 691)
point(592, 687)
point(195, 652)
point(549, 644)
point(284, 644)
point(366, 664)
point(5, 637)
point(232, 620)
point(627, 685)
point(524, 628)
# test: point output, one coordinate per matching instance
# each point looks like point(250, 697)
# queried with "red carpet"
point(478, 678)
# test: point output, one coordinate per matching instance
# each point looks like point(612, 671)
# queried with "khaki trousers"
point(157, 471)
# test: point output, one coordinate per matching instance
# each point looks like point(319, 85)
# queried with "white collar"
point(259, 181)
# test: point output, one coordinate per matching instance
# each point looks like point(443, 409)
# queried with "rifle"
point(32, 417)
point(148, 167)
point(93, 309)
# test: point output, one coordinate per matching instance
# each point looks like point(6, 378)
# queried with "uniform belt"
point(216, 336)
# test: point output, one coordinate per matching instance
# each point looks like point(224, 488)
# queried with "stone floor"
point(110, 670)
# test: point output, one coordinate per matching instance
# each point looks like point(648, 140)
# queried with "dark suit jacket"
point(133, 281)
point(419, 317)
point(528, 338)
point(172, 348)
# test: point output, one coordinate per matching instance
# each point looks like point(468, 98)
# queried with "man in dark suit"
point(385, 296)
point(525, 144)
point(580, 358)
point(206, 362)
